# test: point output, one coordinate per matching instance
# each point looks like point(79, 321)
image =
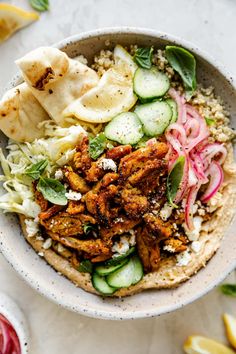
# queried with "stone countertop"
point(210, 25)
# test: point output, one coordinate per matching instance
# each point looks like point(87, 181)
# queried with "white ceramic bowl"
point(10, 310)
point(149, 303)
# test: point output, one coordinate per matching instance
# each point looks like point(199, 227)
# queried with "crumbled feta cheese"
point(183, 258)
point(169, 248)
point(107, 164)
point(59, 174)
point(31, 227)
point(81, 59)
point(195, 208)
point(71, 195)
point(39, 238)
point(196, 246)
point(47, 244)
point(194, 234)
point(215, 202)
point(122, 246)
point(166, 211)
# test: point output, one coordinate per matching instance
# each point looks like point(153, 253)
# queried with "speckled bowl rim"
point(92, 311)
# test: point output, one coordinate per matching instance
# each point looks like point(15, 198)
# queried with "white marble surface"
point(210, 24)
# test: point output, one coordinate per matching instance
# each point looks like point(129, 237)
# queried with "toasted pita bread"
point(55, 79)
point(20, 114)
point(169, 275)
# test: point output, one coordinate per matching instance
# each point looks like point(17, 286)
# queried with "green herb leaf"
point(174, 179)
point(184, 63)
point(143, 57)
point(88, 227)
point(35, 170)
point(97, 145)
point(228, 289)
point(40, 5)
point(85, 266)
point(52, 190)
point(209, 121)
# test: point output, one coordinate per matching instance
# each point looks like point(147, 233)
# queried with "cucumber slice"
point(129, 274)
point(107, 269)
point(155, 116)
point(100, 284)
point(115, 260)
point(174, 108)
point(125, 128)
point(150, 83)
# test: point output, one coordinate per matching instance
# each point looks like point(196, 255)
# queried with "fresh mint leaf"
point(209, 121)
point(228, 289)
point(184, 63)
point(52, 190)
point(35, 170)
point(97, 145)
point(85, 266)
point(143, 57)
point(40, 5)
point(174, 180)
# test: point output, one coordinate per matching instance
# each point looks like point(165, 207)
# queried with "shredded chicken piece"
point(175, 244)
point(40, 200)
point(118, 227)
point(158, 227)
point(75, 207)
point(67, 225)
point(76, 182)
point(82, 160)
point(44, 215)
point(148, 250)
point(92, 247)
point(133, 202)
point(118, 152)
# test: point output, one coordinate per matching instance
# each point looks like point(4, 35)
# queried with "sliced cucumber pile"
point(125, 128)
point(155, 116)
point(107, 279)
point(107, 269)
point(174, 108)
point(100, 284)
point(128, 275)
point(150, 83)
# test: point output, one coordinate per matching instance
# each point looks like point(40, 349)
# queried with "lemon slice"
point(12, 19)
point(230, 327)
point(113, 94)
point(203, 345)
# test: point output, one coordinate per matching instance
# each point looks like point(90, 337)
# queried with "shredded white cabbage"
point(58, 147)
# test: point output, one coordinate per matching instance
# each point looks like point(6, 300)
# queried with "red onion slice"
point(191, 198)
point(9, 342)
point(216, 178)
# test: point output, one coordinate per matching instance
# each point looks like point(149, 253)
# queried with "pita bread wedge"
point(55, 79)
point(170, 274)
point(20, 114)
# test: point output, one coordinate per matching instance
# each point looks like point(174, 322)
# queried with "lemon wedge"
point(12, 19)
point(112, 95)
point(230, 328)
point(203, 345)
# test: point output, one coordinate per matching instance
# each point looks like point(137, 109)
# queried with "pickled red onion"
point(189, 137)
point(216, 178)
point(9, 342)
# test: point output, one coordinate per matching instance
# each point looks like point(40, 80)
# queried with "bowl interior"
point(150, 303)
